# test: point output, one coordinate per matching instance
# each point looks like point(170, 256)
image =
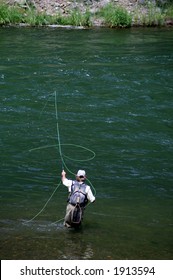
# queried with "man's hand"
point(63, 173)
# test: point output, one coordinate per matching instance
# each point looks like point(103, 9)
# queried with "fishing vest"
point(78, 194)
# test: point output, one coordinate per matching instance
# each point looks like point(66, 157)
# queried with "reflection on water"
point(77, 248)
point(50, 240)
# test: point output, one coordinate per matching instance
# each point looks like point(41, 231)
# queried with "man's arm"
point(90, 195)
point(66, 182)
point(63, 176)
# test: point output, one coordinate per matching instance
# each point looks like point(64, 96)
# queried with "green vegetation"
point(10, 15)
point(147, 14)
point(33, 18)
point(116, 16)
point(15, 15)
point(169, 12)
point(155, 16)
point(75, 18)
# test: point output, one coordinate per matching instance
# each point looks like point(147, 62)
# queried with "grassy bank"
point(111, 15)
point(154, 15)
point(10, 15)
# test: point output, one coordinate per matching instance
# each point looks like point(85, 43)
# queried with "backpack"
point(78, 194)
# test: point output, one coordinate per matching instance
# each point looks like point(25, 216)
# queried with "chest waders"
point(78, 199)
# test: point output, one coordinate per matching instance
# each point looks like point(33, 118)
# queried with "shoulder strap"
point(73, 186)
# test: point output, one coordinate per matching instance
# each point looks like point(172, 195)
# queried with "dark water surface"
point(115, 98)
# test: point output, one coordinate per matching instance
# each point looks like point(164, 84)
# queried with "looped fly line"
point(59, 145)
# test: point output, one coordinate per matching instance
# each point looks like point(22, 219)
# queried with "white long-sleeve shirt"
point(68, 183)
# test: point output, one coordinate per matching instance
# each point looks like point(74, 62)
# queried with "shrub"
point(33, 18)
point(16, 14)
point(77, 18)
point(169, 12)
point(116, 16)
point(4, 14)
point(10, 14)
point(154, 16)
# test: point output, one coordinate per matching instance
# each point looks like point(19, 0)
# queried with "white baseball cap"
point(81, 173)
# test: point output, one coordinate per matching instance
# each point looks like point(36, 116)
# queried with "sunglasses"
point(81, 176)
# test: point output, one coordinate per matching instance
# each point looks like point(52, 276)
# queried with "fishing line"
point(50, 95)
point(60, 150)
point(74, 145)
point(64, 166)
point(44, 204)
point(70, 158)
point(58, 133)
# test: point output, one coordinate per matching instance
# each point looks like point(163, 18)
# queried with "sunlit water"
point(114, 98)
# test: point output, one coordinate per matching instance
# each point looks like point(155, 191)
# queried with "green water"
point(115, 97)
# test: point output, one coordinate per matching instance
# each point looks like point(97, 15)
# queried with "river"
point(113, 93)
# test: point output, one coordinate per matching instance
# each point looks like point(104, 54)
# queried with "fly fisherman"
point(79, 195)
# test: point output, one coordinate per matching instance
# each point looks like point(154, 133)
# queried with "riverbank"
point(110, 13)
